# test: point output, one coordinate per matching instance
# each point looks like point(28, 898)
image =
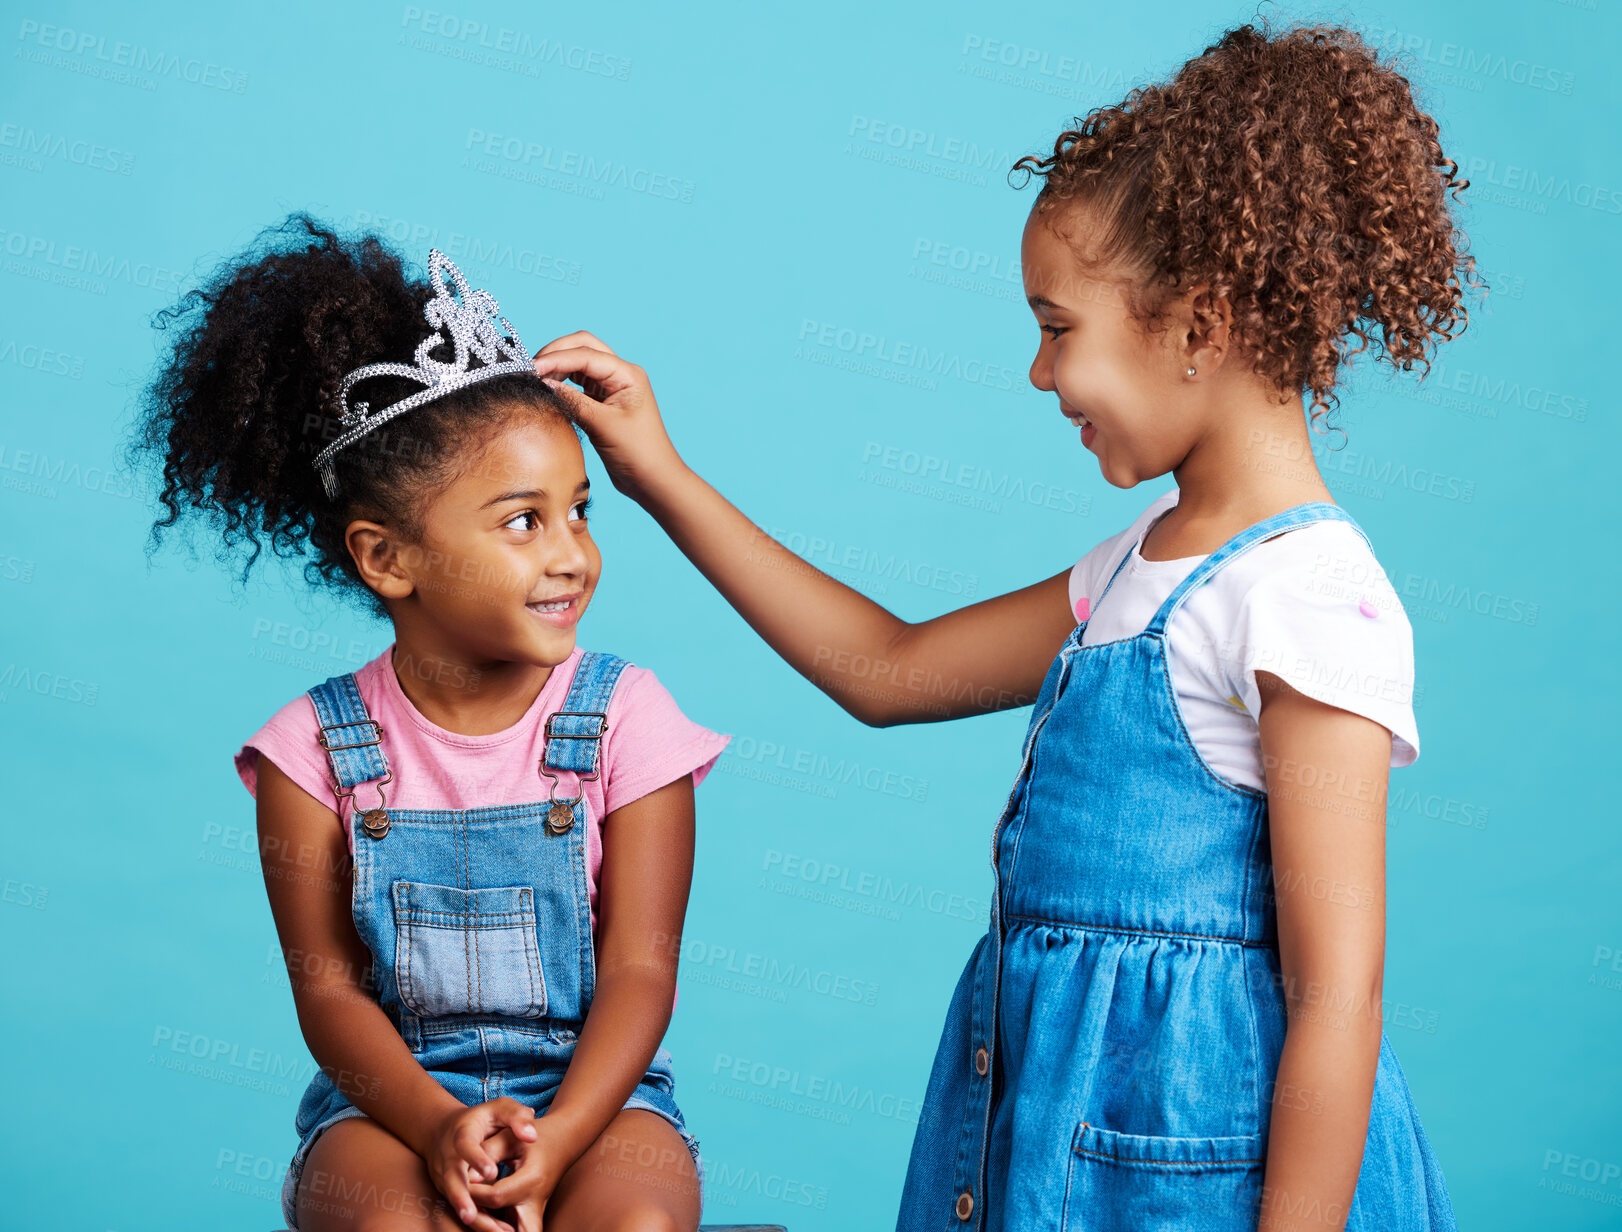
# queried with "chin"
point(559, 647)
point(1128, 476)
point(1116, 480)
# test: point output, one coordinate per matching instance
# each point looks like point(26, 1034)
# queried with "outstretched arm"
point(883, 670)
point(1327, 772)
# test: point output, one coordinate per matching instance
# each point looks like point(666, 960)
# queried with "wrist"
point(424, 1129)
point(572, 1131)
point(656, 485)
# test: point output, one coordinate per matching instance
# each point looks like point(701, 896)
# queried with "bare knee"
point(637, 1177)
point(377, 1207)
point(421, 1214)
point(643, 1219)
point(361, 1178)
point(438, 1219)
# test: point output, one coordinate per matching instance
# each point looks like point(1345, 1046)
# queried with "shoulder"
point(290, 738)
point(1314, 607)
point(642, 708)
point(637, 690)
point(1089, 574)
point(650, 740)
point(1328, 567)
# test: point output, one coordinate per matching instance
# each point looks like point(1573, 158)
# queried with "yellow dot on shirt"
point(1234, 701)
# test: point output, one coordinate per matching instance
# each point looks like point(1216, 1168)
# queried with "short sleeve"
point(1079, 587)
point(288, 739)
point(1329, 623)
point(650, 742)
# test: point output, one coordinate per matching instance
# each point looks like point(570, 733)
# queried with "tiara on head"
point(472, 332)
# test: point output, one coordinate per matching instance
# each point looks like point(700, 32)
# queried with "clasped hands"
point(469, 1146)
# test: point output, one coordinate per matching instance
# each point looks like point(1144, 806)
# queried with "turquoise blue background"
point(134, 925)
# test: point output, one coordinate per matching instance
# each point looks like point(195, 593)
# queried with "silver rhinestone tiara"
point(474, 334)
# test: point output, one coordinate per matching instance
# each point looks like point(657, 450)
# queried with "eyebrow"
point(531, 494)
point(1042, 301)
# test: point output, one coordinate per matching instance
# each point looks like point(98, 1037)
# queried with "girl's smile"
point(1088, 431)
point(560, 613)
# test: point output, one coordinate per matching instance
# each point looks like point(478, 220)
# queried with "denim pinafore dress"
point(478, 921)
point(1109, 1053)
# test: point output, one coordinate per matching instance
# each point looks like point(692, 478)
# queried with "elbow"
point(1344, 1002)
point(315, 1002)
point(873, 717)
point(881, 712)
point(641, 989)
point(855, 699)
point(885, 706)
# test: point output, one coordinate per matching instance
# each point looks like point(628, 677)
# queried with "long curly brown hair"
point(247, 393)
point(1292, 173)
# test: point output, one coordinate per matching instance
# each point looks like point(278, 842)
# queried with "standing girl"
point(477, 846)
point(1174, 1018)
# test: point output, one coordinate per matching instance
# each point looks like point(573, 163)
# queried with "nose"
point(1042, 370)
point(566, 553)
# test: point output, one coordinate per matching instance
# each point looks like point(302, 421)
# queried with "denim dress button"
point(981, 1061)
point(965, 1204)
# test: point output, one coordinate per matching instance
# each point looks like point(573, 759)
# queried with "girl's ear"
point(377, 556)
point(1204, 317)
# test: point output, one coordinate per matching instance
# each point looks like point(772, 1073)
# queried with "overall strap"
point(353, 741)
point(574, 731)
point(1119, 565)
point(1244, 541)
point(349, 734)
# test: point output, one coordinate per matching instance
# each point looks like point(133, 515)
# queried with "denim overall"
point(1109, 1052)
point(478, 921)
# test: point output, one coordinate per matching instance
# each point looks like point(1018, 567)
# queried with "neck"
point(462, 692)
point(1254, 461)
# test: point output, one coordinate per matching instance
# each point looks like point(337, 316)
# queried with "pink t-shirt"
point(648, 742)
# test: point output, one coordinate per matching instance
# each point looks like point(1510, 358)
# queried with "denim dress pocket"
point(1139, 1183)
point(468, 951)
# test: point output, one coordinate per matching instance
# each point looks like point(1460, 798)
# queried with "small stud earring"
point(1191, 372)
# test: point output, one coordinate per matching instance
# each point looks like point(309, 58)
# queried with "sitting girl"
point(478, 846)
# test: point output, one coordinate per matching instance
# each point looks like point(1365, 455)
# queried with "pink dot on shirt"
point(1081, 608)
point(1368, 609)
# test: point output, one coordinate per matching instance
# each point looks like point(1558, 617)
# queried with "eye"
point(528, 513)
point(584, 507)
point(1053, 330)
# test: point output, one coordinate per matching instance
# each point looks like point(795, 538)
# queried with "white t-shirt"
point(1311, 605)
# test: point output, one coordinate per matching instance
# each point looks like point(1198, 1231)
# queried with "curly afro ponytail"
point(1295, 175)
point(248, 396)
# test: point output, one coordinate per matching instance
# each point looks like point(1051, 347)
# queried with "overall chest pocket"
point(467, 951)
point(1132, 1182)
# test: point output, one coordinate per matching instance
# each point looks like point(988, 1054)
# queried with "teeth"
point(560, 606)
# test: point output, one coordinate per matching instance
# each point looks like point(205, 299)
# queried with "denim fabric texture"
point(478, 922)
point(1109, 1052)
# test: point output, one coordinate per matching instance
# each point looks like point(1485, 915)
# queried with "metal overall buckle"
point(375, 821)
point(560, 813)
